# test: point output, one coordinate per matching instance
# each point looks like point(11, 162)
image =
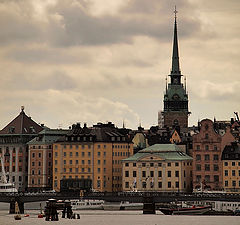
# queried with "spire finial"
point(175, 12)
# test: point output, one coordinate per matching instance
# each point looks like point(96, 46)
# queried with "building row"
point(38, 158)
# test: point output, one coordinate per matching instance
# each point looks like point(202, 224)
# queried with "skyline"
point(82, 61)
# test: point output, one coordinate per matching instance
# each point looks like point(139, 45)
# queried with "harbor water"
point(101, 217)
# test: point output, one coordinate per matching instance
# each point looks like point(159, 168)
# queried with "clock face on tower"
point(175, 97)
point(175, 81)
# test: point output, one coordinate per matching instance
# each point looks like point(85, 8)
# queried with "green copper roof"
point(48, 136)
point(165, 151)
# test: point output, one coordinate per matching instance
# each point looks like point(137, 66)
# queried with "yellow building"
point(92, 153)
point(160, 167)
point(231, 167)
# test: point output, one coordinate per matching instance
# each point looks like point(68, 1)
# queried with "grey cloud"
point(30, 81)
point(78, 27)
point(47, 55)
point(82, 28)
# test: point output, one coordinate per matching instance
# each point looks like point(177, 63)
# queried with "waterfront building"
point(160, 167)
point(231, 167)
point(175, 112)
point(40, 159)
point(14, 148)
point(207, 150)
point(92, 153)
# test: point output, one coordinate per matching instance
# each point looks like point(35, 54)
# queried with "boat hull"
point(186, 211)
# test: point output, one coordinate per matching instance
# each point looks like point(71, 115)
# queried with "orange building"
point(92, 153)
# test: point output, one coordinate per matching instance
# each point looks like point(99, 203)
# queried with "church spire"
point(175, 56)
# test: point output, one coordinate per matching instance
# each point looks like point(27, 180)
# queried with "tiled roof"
point(22, 124)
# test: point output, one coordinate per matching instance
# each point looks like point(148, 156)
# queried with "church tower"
point(175, 112)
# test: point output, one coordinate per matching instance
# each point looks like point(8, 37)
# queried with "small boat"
point(194, 210)
point(17, 211)
point(26, 215)
point(87, 204)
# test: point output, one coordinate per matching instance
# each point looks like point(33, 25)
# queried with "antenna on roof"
point(22, 108)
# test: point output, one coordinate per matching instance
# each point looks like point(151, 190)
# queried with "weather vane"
point(175, 12)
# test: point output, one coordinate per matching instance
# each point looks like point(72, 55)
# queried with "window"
point(159, 173)
point(206, 136)
point(64, 162)
point(215, 167)
point(176, 164)
point(198, 147)
point(177, 184)
point(226, 173)
point(207, 178)
point(33, 155)
point(159, 184)
point(215, 157)
point(99, 170)
point(99, 153)
point(234, 183)
point(89, 162)
point(56, 154)
point(56, 162)
point(39, 154)
point(233, 164)
point(143, 164)
point(83, 154)
point(83, 162)
point(70, 162)
point(169, 184)
point(216, 178)
point(151, 173)
point(126, 164)
point(198, 178)
point(206, 147)
point(206, 157)
point(33, 163)
point(215, 148)
point(134, 164)
point(198, 157)
point(207, 167)
point(233, 173)
point(64, 154)
point(143, 173)
point(159, 164)
point(169, 173)
point(225, 163)
point(76, 161)
point(198, 167)
point(70, 154)
point(169, 164)
point(144, 184)
point(55, 170)
point(126, 173)
point(126, 184)
point(134, 173)
point(70, 170)
point(99, 162)
point(176, 173)
point(89, 154)
point(226, 183)
point(152, 164)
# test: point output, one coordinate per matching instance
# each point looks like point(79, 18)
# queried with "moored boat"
point(194, 210)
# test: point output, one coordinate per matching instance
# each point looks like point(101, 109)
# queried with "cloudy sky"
point(82, 61)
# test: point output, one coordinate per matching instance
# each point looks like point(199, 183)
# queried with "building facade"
point(208, 145)
point(40, 160)
point(14, 148)
point(175, 101)
point(231, 167)
point(160, 167)
point(93, 153)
